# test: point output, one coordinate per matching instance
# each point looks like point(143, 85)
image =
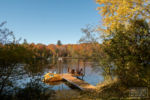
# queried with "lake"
point(91, 70)
point(26, 79)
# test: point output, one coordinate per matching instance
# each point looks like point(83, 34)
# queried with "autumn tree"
point(116, 12)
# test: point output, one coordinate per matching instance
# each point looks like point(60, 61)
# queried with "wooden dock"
point(78, 83)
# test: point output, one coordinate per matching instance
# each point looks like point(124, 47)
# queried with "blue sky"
point(46, 21)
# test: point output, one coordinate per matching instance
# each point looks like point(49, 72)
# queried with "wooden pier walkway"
point(78, 83)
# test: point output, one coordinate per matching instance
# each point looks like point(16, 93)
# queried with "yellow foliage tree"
point(116, 12)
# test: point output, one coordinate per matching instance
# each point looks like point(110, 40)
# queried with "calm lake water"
point(92, 73)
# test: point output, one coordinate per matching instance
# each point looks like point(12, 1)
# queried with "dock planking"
point(77, 82)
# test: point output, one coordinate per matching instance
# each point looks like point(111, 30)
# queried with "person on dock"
point(81, 72)
point(72, 71)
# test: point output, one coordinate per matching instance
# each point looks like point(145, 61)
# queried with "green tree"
point(129, 50)
point(25, 42)
point(59, 43)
